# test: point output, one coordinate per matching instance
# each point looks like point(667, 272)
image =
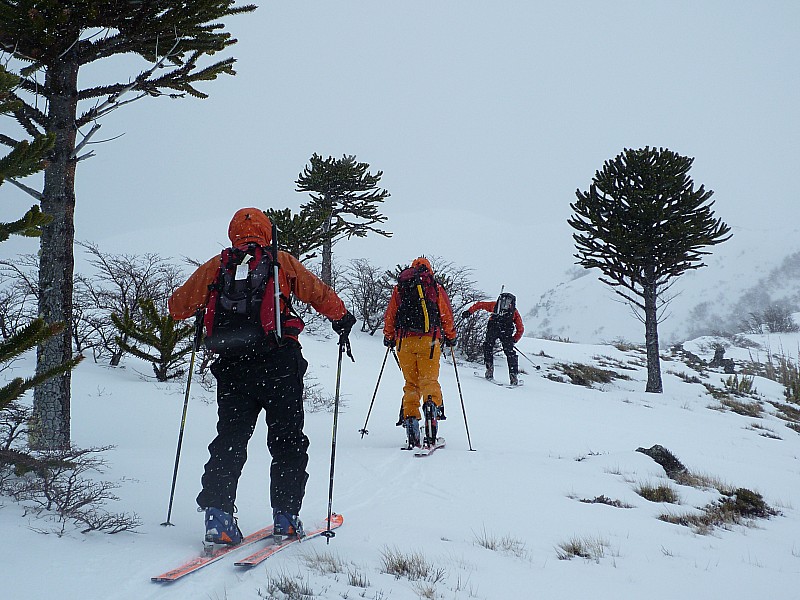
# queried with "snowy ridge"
point(742, 275)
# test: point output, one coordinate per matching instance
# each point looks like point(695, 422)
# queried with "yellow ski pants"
point(421, 372)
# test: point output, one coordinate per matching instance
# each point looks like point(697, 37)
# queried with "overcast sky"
point(484, 117)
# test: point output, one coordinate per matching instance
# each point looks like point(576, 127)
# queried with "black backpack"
point(240, 313)
point(418, 311)
point(505, 307)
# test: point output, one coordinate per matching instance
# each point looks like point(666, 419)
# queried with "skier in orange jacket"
point(418, 320)
point(255, 372)
point(505, 324)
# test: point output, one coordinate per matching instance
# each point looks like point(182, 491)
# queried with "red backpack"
point(240, 313)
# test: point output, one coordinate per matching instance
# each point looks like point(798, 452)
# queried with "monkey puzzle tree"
point(643, 224)
point(55, 39)
point(344, 191)
point(300, 234)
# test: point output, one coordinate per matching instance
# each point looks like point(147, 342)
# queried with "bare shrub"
point(286, 587)
point(60, 489)
point(741, 506)
point(590, 548)
point(658, 493)
point(602, 499)
point(368, 289)
point(117, 285)
point(412, 566)
point(586, 375)
point(505, 544)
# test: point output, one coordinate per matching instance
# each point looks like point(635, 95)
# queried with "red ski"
point(261, 555)
point(428, 450)
point(201, 561)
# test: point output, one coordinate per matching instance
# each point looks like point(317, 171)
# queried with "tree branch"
point(26, 189)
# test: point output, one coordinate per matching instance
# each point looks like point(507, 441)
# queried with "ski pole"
point(364, 430)
point(198, 333)
point(397, 360)
point(526, 358)
point(344, 346)
point(463, 410)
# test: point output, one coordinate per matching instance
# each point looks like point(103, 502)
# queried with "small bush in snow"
point(658, 493)
point(586, 375)
point(587, 547)
point(738, 507)
point(740, 387)
point(505, 544)
point(412, 566)
point(286, 587)
point(603, 499)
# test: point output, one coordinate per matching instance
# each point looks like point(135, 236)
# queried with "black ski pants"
point(505, 333)
point(271, 382)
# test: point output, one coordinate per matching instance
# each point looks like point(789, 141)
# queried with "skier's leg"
point(237, 416)
point(288, 445)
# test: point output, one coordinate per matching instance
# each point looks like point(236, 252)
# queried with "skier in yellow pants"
point(418, 319)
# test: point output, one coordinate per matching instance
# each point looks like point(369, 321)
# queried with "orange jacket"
point(252, 225)
point(443, 302)
point(519, 329)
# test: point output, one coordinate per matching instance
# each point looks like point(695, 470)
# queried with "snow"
point(538, 451)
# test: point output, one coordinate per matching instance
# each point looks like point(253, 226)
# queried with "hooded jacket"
point(443, 303)
point(252, 225)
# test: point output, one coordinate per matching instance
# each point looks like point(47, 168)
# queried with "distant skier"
point(505, 324)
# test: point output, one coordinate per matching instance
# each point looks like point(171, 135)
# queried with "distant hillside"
point(752, 271)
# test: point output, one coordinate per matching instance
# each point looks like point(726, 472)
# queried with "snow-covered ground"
point(539, 450)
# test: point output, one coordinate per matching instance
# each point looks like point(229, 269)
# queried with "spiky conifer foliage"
point(302, 233)
point(345, 191)
point(53, 40)
point(642, 223)
point(160, 333)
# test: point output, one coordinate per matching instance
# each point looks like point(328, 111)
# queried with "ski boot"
point(286, 525)
point(513, 378)
point(412, 431)
point(222, 528)
point(489, 373)
point(431, 413)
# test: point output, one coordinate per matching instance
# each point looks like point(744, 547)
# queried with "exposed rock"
point(666, 459)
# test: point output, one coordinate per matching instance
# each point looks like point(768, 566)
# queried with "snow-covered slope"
point(749, 272)
point(538, 451)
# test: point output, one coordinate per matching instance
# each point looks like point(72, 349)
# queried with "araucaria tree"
point(54, 40)
point(643, 224)
point(347, 195)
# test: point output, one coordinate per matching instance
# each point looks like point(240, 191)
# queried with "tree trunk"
point(327, 253)
point(50, 427)
point(651, 341)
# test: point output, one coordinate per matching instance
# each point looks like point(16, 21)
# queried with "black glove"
point(388, 343)
point(344, 325)
point(449, 342)
point(466, 314)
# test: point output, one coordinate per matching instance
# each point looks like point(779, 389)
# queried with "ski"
point(422, 452)
point(201, 561)
point(500, 383)
point(260, 556)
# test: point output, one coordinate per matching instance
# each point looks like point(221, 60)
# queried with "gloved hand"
point(344, 325)
point(449, 342)
point(466, 314)
point(388, 343)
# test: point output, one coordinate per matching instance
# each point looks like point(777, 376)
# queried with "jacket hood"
point(250, 225)
point(422, 262)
